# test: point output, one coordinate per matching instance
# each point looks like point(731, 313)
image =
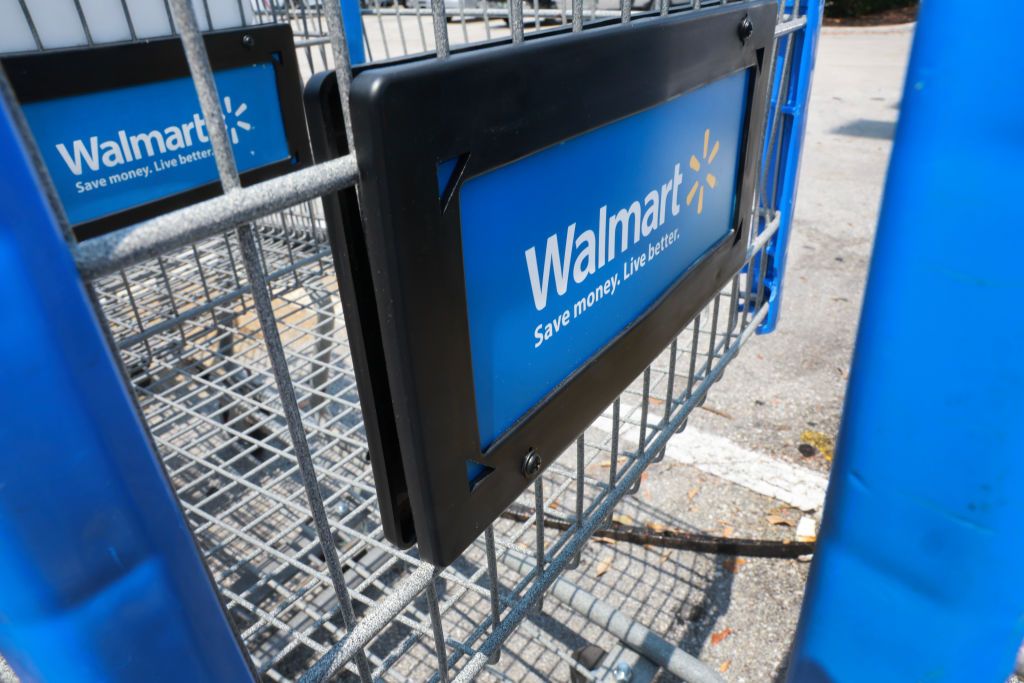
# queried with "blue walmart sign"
point(113, 150)
point(565, 248)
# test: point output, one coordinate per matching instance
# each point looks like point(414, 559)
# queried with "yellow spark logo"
point(709, 178)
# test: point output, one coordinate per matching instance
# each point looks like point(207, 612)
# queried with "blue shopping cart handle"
point(100, 579)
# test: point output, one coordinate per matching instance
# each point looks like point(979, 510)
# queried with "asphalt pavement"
point(792, 381)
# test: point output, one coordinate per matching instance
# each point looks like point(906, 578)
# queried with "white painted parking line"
point(792, 484)
point(716, 455)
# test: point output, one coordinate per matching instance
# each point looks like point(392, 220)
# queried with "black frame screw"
point(531, 465)
point(248, 40)
point(745, 29)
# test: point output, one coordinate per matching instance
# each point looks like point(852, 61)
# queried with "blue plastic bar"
point(352, 21)
point(918, 571)
point(793, 87)
point(100, 579)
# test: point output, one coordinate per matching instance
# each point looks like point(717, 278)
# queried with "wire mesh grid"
point(207, 393)
point(235, 346)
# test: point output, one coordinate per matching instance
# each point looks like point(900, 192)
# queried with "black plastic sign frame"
point(57, 74)
point(399, 258)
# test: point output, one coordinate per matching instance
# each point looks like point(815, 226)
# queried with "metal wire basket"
point(234, 344)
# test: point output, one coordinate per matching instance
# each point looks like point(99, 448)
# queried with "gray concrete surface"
point(793, 380)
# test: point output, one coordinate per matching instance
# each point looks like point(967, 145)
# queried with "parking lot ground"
point(792, 381)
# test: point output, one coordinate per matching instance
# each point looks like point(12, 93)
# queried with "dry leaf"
point(719, 636)
point(655, 401)
point(725, 665)
point(624, 520)
point(621, 460)
point(553, 505)
point(602, 567)
point(692, 493)
point(664, 556)
point(602, 539)
point(726, 530)
point(733, 564)
point(716, 411)
point(778, 520)
point(656, 527)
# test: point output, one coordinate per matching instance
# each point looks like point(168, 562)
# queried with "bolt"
point(531, 464)
point(746, 29)
point(248, 40)
point(622, 672)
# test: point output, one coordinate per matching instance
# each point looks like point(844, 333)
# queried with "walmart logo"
point(92, 153)
point(578, 252)
point(233, 120)
point(697, 189)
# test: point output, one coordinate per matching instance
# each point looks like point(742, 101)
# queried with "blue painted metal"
point(352, 19)
point(917, 574)
point(100, 579)
point(782, 163)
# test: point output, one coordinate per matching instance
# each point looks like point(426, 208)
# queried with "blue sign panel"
point(564, 248)
point(116, 149)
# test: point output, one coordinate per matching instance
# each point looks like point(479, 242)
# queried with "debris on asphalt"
point(807, 450)
point(656, 527)
point(716, 411)
point(819, 441)
point(719, 636)
point(806, 530)
point(779, 520)
point(733, 564)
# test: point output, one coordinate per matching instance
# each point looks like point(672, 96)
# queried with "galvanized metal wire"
point(227, 320)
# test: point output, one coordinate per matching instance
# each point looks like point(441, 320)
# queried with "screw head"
point(745, 29)
point(531, 465)
point(622, 672)
point(248, 40)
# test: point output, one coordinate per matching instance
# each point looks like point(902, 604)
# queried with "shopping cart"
point(234, 347)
